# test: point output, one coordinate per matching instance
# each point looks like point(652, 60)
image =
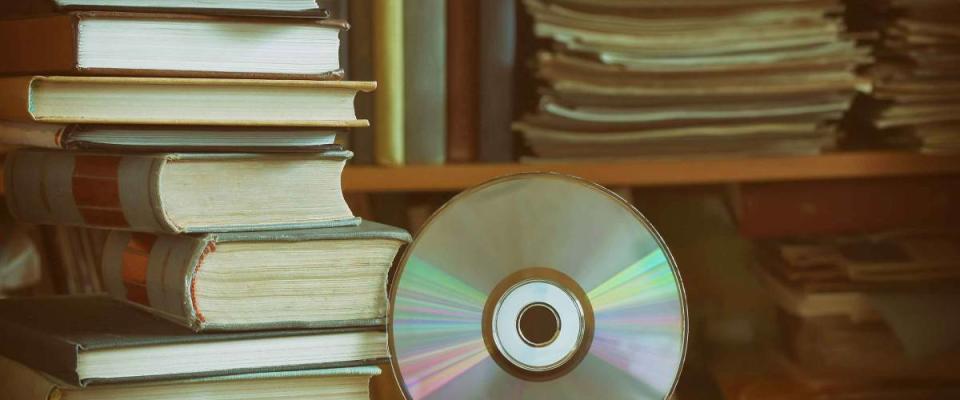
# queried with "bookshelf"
point(848, 165)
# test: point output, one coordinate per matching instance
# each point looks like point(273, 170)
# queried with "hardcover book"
point(498, 44)
point(851, 304)
point(144, 138)
point(84, 340)
point(180, 101)
point(425, 83)
point(115, 43)
point(245, 7)
point(388, 68)
point(311, 278)
point(463, 80)
point(22, 383)
point(177, 192)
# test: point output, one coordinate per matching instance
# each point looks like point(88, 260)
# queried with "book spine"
point(361, 68)
point(425, 91)
point(156, 272)
point(89, 190)
point(767, 210)
point(340, 10)
point(498, 29)
point(15, 102)
point(40, 45)
point(49, 136)
point(462, 79)
point(388, 70)
point(40, 351)
point(192, 100)
point(27, 7)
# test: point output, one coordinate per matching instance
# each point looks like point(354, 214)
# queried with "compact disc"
point(537, 286)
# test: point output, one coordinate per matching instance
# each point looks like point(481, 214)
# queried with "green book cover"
point(388, 70)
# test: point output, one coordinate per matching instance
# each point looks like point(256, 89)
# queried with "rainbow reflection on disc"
point(538, 286)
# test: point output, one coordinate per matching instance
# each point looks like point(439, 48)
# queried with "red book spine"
point(96, 190)
point(846, 206)
point(462, 80)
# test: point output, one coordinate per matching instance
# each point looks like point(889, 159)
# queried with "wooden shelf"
point(453, 177)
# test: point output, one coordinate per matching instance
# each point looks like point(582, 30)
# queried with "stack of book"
point(917, 81)
point(862, 313)
point(192, 152)
point(656, 78)
point(863, 279)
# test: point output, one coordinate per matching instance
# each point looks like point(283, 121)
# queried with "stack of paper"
point(652, 78)
point(917, 79)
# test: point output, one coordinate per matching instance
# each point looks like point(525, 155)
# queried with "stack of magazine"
point(657, 78)
point(916, 101)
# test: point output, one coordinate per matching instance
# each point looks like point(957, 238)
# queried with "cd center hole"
point(538, 324)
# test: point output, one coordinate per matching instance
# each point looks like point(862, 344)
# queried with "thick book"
point(243, 7)
point(82, 340)
point(895, 260)
point(306, 278)
point(23, 383)
point(852, 304)
point(180, 101)
point(120, 43)
point(388, 69)
point(425, 83)
point(177, 192)
point(154, 138)
point(463, 80)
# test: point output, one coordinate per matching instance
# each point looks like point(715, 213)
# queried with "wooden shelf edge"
point(849, 165)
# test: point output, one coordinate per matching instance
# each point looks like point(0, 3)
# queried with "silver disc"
point(537, 286)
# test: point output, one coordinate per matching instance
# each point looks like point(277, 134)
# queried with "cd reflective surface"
point(538, 286)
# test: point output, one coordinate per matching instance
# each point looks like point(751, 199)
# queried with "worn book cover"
point(177, 192)
point(83, 339)
point(23, 383)
point(288, 8)
point(181, 101)
point(161, 138)
point(87, 43)
point(349, 290)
